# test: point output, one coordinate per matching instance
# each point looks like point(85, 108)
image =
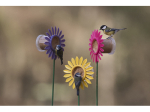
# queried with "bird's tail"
point(123, 29)
point(61, 61)
point(77, 92)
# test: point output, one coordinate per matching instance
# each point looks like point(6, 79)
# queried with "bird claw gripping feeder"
point(49, 43)
point(83, 68)
point(97, 47)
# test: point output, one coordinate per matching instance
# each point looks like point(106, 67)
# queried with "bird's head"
point(78, 75)
point(103, 27)
point(58, 47)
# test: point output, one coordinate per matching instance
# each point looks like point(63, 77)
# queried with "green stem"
point(79, 100)
point(96, 83)
point(53, 81)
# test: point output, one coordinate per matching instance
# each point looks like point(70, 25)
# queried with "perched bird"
point(77, 80)
point(110, 31)
point(59, 53)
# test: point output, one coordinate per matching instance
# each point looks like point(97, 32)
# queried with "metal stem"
point(53, 81)
point(96, 83)
point(79, 99)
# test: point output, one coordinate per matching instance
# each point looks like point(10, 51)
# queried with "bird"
point(59, 53)
point(77, 80)
point(110, 31)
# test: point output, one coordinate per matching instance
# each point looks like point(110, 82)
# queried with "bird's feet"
point(109, 37)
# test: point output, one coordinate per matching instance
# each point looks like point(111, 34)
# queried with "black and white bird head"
point(78, 75)
point(103, 27)
point(58, 47)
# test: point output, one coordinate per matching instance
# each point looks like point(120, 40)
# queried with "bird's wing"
point(56, 52)
point(110, 29)
point(60, 52)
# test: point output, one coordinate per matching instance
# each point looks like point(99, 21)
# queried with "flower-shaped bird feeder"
point(83, 68)
point(49, 43)
point(97, 47)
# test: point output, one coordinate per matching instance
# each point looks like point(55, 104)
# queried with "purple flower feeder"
point(54, 38)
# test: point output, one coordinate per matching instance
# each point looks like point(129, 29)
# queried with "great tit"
point(77, 80)
point(109, 31)
point(59, 53)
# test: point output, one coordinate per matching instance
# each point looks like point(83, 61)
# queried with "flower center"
point(95, 46)
point(55, 42)
point(77, 69)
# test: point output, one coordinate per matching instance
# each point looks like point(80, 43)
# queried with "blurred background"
point(26, 73)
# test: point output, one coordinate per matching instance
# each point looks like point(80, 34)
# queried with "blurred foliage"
point(26, 73)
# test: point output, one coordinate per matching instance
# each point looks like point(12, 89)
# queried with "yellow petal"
point(73, 61)
point(77, 60)
point(70, 64)
point(90, 72)
point(88, 81)
point(85, 84)
point(80, 61)
point(68, 79)
point(87, 64)
point(68, 67)
point(73, 86)
point(84, 62)
point(67, 75)
point(67, 71)
point(71, 82)
point(89, 77)
point(89, 68)
point(82, 87)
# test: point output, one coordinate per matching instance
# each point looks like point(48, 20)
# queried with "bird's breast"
point(109, 33)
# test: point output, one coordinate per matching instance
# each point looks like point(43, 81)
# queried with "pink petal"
point(100, 53)
point(90, 48)
point(101, 45)
point(99, 57)
point(91, 52)
point(95, 58)
point(92, 56)
point(101, 49)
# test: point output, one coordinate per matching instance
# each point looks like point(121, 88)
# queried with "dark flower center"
point(55, 42)
point(76, 70)
point(95, 46)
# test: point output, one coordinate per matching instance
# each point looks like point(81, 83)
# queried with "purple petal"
point(60, 33)
point(47, 47)
point(63, 40)
point(52, 31)
point(48, 35)
point(51, 52)
point(57, 31)
point(53, 56)
point(48, 39)
point(48, 51)
point(63, 49)
point(62, 37)
point(46, 43)
point(63, 45)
